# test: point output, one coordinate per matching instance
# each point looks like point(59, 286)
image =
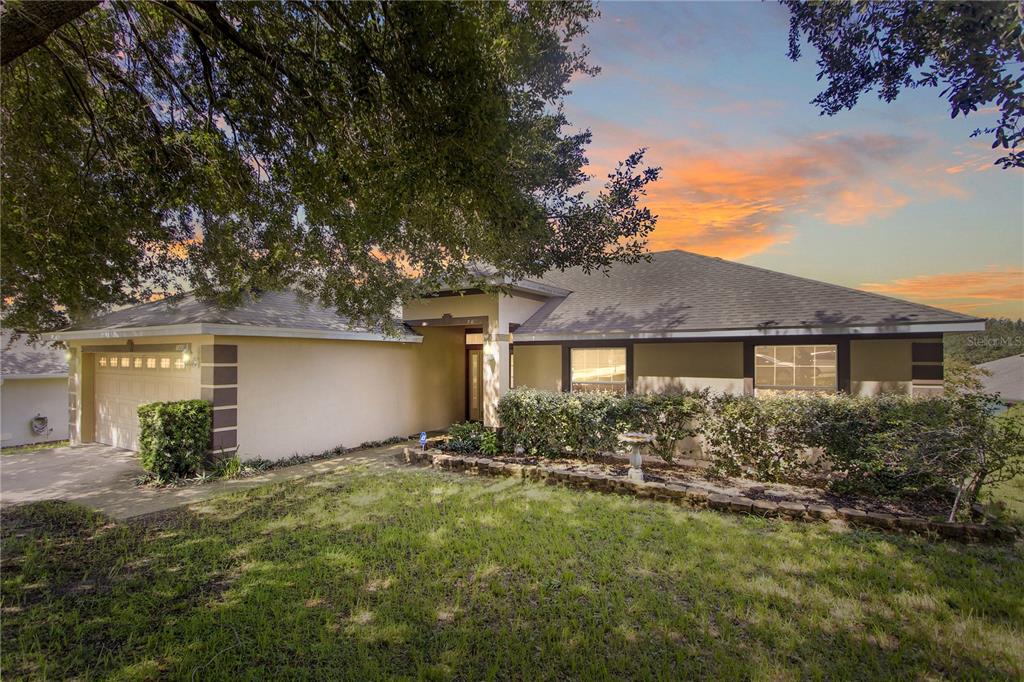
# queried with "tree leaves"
point(360, 153)
point(976, 49)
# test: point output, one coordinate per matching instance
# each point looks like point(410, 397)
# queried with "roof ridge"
point(870, 294)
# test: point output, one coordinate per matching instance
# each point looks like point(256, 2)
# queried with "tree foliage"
point(973, 50)
point(358, 152)
point(1002, 338)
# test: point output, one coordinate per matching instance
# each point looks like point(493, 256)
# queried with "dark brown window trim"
point(842, 344)
point(840, 341)
point(567, 347)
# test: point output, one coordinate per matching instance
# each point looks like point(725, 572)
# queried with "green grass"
point(419, 575)
point(1010, 495)
point(22, 449)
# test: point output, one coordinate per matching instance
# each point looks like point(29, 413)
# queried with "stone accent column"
point(219, 367)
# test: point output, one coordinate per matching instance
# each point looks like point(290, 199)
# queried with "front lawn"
point(418, 574)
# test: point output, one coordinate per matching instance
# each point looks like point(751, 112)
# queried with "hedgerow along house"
point(285, 377)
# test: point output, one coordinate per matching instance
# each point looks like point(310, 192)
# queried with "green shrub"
point(489, 443)
point(885, 446)
point(762, 438)
point(465, 437)
point(556, 424)
point(230, 467)
point(174, 437)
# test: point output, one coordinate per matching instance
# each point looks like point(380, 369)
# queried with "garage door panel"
point(123, 383)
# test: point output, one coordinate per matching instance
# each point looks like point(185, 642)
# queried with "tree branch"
point(28, 24)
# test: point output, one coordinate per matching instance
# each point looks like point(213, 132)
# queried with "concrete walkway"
point(102, 477)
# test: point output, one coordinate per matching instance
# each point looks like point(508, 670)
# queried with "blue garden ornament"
point(423, 440)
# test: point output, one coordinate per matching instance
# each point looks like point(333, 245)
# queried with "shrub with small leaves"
point(465, 437)
point(557, 424)
point(762, 438)
point(174, 437)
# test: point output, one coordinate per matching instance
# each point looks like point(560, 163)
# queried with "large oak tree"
point(359, 152)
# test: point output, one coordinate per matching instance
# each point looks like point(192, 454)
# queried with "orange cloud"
point(179, 250)
point(999, 289)
point(735, 202)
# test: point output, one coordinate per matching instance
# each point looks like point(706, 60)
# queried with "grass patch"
point(418, 574)
point(1009, 498)
point(22, 449)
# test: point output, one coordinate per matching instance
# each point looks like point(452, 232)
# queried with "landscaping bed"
point(695, 473)
point(687, 487)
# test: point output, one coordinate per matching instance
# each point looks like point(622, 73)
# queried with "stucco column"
point(496, 379)
point(74, 398)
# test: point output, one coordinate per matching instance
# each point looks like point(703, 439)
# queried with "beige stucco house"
point(287, 377)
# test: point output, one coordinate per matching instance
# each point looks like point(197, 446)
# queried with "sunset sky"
point(892, 198)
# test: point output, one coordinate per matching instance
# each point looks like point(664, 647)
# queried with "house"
point(286, 377)
point(1005, 378)
point(33, 391)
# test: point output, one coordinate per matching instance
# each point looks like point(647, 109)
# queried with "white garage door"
point(126, 380)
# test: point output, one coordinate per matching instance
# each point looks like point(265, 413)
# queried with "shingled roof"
point(20, 359)
point(1005, 377)
point(682, 293)
point(269, 313)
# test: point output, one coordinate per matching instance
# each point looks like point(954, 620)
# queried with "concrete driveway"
point(82, 473)
point(102, 477)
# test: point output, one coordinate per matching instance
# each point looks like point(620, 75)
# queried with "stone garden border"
point(699, 498)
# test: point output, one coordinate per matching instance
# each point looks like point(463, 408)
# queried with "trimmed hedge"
point(556, 424)
point(886, 446)
point(174, 437)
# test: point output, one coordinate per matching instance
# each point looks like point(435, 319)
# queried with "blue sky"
point(894, 198)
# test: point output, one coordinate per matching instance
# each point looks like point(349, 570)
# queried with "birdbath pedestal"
point(636, 441)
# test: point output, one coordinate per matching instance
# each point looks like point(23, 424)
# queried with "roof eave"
point(22, 377)
point(208, 328)
point(524, 285)
point(917, 328)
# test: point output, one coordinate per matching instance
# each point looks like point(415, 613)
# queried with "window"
point(179, 363)
point(125, 362)
point(598, 369)
point(138, 363)
point(113, 361)
point(103, 361)
point(165, 363)
point(474, 338)
point(795, 368)
point(150, 363)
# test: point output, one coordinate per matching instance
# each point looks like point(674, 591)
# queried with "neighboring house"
point(33, 391)
point(285, 377)
point(1005, 377)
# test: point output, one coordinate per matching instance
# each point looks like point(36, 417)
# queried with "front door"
point(474, 384)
